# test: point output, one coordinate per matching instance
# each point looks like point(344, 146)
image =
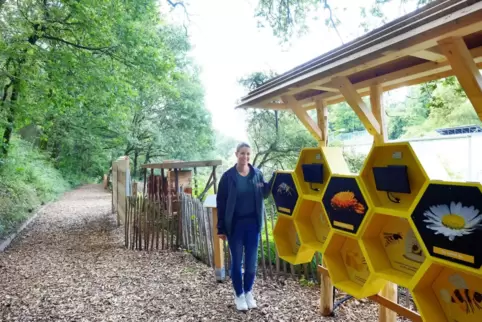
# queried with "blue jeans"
point(245, 235)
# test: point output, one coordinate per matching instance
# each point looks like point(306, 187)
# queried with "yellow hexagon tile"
point(312, 224)
point(348, 267)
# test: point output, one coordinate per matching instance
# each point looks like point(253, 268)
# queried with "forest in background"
point(79, 87)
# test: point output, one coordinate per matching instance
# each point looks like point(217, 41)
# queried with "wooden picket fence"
point(150, 225)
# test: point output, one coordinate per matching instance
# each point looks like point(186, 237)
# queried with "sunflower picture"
point(454, 220)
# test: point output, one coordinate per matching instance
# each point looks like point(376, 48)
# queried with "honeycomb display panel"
point(315, 166)
point(348, 268)
point(288, 244)
point(393, 175)
point(345, 203)
point(312, 224)
point(393, 251)
point(285, 192)
point(444, 294)
point(448, 220)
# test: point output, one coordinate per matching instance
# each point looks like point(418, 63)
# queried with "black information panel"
point(284, 193)
point(344, 204)
point(449, 220)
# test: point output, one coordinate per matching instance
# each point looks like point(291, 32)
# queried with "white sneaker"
point(250, 301)
point(241, 304)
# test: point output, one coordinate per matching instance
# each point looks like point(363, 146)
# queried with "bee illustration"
point(391, 238)
point(467, 299)
point(416, 250)
point(283, 188)
point(355, 261)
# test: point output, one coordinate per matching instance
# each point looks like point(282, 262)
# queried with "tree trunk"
point(136, 156)
point(7, 134)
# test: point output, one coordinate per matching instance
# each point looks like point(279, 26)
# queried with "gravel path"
point(70, 265)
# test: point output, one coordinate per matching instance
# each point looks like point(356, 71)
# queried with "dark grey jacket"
point(226, 198)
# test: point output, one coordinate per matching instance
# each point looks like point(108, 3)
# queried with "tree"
point(288, 18)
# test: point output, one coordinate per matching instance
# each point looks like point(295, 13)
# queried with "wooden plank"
point(326, 89)
point(429, 55)
point(182, 165)
point(322, 120)
point(303, 116)
point(416, 74)
point(400, 310)
point(376, 100)
point(390, 293)
point(407, 43)
point(465, 70)
point(357, 104)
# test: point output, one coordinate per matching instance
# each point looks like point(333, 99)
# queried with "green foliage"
point(97, 79)
point(27, 179)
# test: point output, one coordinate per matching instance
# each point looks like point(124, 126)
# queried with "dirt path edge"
point(5, 243)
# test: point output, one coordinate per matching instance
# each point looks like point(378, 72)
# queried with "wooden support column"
point(326, 286)
point(465, 70)
point(303, 116)
point(357, 104)
point(390, 292)
point(322, 118)
point(378, 110)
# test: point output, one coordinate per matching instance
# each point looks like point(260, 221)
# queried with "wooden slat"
point(429, 55)
point(307, 121)
point(376, 95)
point(464, 69)
point(357, 104)
point(413, 316)
point(407, 43)
point(182, 165)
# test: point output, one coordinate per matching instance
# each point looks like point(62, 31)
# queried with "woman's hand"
point(223, 237)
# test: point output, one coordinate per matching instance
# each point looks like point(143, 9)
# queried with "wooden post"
point(326, 286)
point(218, 245)
point(390, 291)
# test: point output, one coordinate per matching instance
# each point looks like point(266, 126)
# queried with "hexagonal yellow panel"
point(348, 268)
point(447, 218)
point(311, 223)
point(285, 192)
point(393, 252)
point(399, 174)
point(315, 166)
point(288, 244)
point(346, 203)
point(444, 294)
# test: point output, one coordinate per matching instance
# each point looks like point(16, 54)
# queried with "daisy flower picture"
point(454, 220)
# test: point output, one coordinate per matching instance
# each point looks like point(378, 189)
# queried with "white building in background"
point(458, 148)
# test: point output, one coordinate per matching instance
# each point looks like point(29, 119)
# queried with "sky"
point(227, 45)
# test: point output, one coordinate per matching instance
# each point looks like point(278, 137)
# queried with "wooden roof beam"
point(429, 55)
point(418, 72)
point(357, 104)
point(465, 69)
point(301, 113)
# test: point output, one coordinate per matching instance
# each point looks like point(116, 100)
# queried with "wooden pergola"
point(439, 40)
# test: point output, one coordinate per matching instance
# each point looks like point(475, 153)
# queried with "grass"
point(27, 180)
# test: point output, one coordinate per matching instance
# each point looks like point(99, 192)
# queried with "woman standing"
point(240, 218)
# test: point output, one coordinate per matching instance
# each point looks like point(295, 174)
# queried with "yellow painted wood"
point(218, 244)
point(348, 269)
point(466, 70)
point(392, 250)
point(400, 153)
point(288, 244)
point(434, 287)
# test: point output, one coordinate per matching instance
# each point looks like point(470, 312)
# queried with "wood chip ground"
point(71, 265)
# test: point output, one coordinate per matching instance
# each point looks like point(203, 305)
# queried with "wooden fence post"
point(218, 246)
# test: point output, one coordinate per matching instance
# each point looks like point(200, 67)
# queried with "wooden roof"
point(182, 164)
point(402, 53)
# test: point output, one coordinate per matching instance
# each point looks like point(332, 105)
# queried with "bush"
point(27, 180)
